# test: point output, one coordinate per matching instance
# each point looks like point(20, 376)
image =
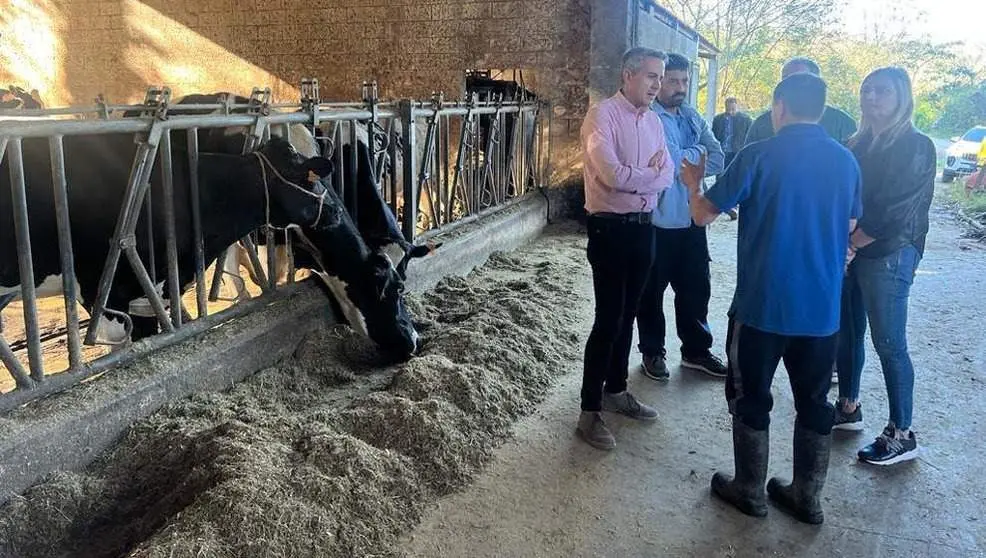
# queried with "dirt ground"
point(547, 494)
point(332, 453)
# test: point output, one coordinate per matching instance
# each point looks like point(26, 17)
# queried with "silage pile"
point(328, 454)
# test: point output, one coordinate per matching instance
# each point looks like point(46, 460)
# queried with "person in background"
point(799, 194)
point(681, 248)
point(899, 166)
point(730, 128)
point(626, 166)
point(839, 125)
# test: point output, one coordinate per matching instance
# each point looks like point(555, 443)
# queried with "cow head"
point(367, 286)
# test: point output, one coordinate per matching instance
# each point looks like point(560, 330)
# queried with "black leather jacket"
point(898, 184)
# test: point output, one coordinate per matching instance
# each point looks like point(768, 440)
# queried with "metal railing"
point(437, 162)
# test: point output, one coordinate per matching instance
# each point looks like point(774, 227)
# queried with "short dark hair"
point(803, 95)
point(731, 100)
point(806, 62)
point(677, 63)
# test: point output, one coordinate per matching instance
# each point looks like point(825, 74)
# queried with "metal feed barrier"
point(438, 164)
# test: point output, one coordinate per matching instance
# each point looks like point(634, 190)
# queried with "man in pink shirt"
point(627, 165)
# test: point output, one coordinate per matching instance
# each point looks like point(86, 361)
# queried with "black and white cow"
point(234, 190)
point(374, 219)
point(17, 98)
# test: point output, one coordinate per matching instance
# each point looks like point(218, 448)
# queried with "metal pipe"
point(61, 382)
point(25, 261)
point(394, 172)
point(196, 203)
point(251, 250)
point(339, 176)
point(457, 178)
point(289, 252)
point(151, 252)
point(170, 236)
point(351, 197)
point(271, 258)
point(126, 222)
point(60, 185)
point(149, 288)
point(46, 128)
point(217, 276)
point(410, 209)
point(9, 359)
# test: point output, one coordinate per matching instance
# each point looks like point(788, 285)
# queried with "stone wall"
point(73, 49)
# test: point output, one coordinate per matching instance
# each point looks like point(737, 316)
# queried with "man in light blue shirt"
point(682, 250)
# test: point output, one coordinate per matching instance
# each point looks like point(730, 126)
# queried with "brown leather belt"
point(639, 218)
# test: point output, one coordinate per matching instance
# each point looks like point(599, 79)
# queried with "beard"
point(674, 101)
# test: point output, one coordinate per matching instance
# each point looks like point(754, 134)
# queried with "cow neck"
point(278, 181)
point(231, 196)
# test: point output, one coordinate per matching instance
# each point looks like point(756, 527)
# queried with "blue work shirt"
point(797, 192)
point(687, 135)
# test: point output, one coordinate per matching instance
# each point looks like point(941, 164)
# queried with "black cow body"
point(374, 220)
point(233, 203)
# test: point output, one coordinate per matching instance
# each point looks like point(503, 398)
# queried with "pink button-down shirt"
point(618, 142)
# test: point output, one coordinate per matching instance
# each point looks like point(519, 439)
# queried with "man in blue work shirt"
point(681, 248)
point(799, 197)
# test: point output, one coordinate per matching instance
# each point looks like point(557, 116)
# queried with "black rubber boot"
point(751, 451)
point(802, 498)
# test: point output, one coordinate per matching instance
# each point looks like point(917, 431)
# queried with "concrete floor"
point(548, 494)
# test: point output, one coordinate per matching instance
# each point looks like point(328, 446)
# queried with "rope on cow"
point(264, 163)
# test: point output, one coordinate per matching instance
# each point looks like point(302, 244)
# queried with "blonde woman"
point(898, 167)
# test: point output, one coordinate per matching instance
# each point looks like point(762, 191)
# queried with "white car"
point(961, 155)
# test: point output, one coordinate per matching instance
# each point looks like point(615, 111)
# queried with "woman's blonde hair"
point(901, 119)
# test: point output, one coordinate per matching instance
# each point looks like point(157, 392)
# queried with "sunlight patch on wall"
point(31, 51)
point(164, 52)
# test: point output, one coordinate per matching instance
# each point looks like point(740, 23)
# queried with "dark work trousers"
point(753, 359)
point(620, 254)
point(682, 261)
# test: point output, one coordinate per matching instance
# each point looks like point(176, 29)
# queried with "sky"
point(939, 20)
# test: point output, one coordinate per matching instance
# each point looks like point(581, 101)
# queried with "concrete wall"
point(69, 430)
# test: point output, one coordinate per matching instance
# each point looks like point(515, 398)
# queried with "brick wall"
point(73, 49)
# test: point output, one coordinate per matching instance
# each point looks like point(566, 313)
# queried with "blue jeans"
point(878, 289)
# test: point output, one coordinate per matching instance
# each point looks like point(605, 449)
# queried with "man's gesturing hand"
point(692, 175)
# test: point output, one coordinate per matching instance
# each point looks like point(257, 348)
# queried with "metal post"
point(149, 216)
point(353, 161)
point(65, 248)
point(193, 185)
point(251, 249)
point(271, 258)
point(460, 160)
point(21, 379)
point(217, 276)
point(394, 171)
point(339, 174)
point(25, 262)
point(410, 210)
point(289, 252)
point(150, 289)
point(126, 224)
point(170, 236)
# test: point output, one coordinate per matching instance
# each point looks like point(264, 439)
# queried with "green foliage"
point(757, 36)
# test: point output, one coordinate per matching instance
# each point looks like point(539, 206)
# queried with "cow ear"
point(319, 165)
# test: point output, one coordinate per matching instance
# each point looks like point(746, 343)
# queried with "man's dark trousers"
point(753, 358)
point(620, 253)
point(681, 261)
